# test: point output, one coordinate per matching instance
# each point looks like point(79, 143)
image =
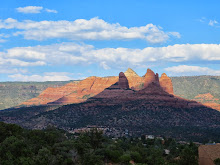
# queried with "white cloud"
point(34, 10)
point(29, 9)
point(3, 38)
point(82, 54)
point(104, 65)
point(203, 19)
point(12, 70)
point(213, 22)
point(185, 70)
point(16, 62)
point(51, 76)
point(51, 11)
point(176, 34)
point(81, 29)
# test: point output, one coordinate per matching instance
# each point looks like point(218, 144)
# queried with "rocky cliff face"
point(81, 91)
point(116, 92)
point(166, 83)
point(150, 77)
point(153, 93)
point(123, 81)
point(134, 80)
point(52, 94)
point(73, 92)
point(86, 89)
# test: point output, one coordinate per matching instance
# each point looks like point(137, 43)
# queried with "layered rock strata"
point(76, 92)
point(166, 83)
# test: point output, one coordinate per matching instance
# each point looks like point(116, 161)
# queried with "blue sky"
point(47, 40)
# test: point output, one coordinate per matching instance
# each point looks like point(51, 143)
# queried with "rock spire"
point(123, 81)
point(150, 77)
point(166, 83)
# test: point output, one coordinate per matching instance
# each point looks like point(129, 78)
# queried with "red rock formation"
point(150, 77)
point(117, 92)
point(153, 89)
point(135, 81)
point(206, 96)
point(166, 83)
point(76, 92)
point(153, 95)
point(86, 89)
point(123, 81)
point(157, 77)
point(52, 94)
point(208, 100)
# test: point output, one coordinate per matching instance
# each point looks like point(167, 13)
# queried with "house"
point(208, 153)
point(166, 151)
point(149, 136)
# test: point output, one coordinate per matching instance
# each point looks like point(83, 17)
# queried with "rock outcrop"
point(166, 83)
point(130, 73)
point(123, 81)
point(150, 77)
point(116, 92)
point(52, 94)
point(153, 93)
point(134, 80)
point(156, 96)
point(86, 89)
point(76, 92)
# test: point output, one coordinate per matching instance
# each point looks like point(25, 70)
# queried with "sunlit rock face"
point(134, 80)
point(209, 100)
point(80, 91)
point(166, 83)
point(150, 77)
point(75, 92)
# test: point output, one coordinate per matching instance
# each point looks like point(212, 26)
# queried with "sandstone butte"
point(76, 92)
point(117, 91)
point(151, 95)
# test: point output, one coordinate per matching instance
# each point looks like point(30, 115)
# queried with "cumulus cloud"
point(51, 11)
point(29, 9)
point(82, 54)
point(48, 76)
point(12, 70)
point(82, 29)
point(213, 22)
point(184, 70)
point(34, 10)
point(3, 38)
point(104, 65)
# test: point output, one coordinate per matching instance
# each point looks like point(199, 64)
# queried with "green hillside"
point(189, 87)
point(14, 93)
